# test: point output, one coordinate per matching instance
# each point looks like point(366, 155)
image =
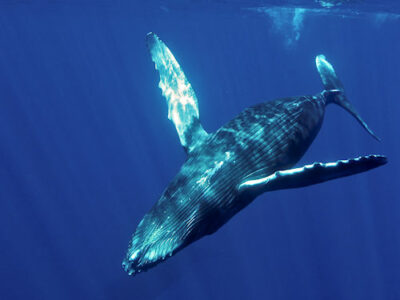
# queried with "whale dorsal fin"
point(310, 174)
point(183, 109)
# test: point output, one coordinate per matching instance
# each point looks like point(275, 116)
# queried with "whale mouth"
point(160, 234)
point(147, 250)
point(131, 264)
point(134, 263)
point(139, 260)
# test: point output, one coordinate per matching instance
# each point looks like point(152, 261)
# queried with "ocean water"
point(86, 147)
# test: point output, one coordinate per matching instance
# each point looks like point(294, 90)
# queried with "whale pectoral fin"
point(181, 99)
point(311, 174)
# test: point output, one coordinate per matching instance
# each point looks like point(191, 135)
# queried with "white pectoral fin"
point(311, 174)
point(181, 99)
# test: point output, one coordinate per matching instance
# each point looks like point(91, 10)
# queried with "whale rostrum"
point(226, 170)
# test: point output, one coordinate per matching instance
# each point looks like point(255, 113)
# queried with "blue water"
point(86, 148)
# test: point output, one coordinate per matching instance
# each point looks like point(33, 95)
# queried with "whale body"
point(226, 170)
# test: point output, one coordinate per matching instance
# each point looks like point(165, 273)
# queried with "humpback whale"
point(226, 170)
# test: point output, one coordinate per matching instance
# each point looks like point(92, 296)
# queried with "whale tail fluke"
point(334, 91)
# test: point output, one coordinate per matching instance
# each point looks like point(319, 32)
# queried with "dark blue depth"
point(86, 149)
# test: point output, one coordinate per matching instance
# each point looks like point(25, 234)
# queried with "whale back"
point(274, 134)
